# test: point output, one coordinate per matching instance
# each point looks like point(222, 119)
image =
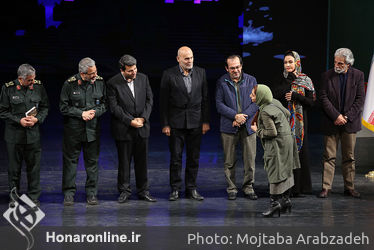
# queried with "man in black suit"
point(130, 101)
point(184, 108)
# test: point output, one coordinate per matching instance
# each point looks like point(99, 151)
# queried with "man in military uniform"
point(82, 102)
point(22, 134)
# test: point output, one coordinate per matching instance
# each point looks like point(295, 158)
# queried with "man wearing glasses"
point(237, 111)
point(342, 98)
point(82, 102)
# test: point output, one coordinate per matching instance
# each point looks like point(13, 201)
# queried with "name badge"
point(15, 97)
point(76, 93)
point(97, 101)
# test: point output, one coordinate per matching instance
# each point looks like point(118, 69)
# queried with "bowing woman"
point(280, 150)
point(295, 91)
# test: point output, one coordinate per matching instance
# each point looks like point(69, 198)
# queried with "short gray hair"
point(84, 64)
point(25, 70)
point(347, 54)
point(126, 60)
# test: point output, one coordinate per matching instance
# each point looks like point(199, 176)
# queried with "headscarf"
point(301, 82)
point(263, 96)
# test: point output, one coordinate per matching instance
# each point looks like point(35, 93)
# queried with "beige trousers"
point(348, 142)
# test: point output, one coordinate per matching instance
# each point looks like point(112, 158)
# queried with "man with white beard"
point(342, 97)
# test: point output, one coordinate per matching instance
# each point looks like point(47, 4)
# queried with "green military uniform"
point(77, 96)
point(23, 143)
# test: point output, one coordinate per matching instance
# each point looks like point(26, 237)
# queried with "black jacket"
point(178, 109)
point(124, 107)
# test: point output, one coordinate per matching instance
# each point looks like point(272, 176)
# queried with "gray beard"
point(339, 71)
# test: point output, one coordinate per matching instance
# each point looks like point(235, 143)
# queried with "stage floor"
point(215, 210)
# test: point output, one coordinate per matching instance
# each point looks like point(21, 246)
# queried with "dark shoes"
point(68, 200)
point(123, 197)
point(275, 206)
point(92, 200)
point(231, 196)
point(347, 192)
point(147, 197)
point(324, 193)
point(193, 194)
point(353, 193)
point(36, 202)
point(251, 196)
point(12, 204)
point(174, 195)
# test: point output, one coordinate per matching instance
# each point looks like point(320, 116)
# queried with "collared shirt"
point(187, 79)
point(130, 84)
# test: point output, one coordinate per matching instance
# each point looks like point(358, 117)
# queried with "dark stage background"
point(53, 35)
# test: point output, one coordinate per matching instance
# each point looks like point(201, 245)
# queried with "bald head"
point(185, 58)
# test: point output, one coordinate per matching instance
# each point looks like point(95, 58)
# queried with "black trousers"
point(177, 139)
point(30, 153)
point(302, 175)
point(71, 150)
point(136, 148)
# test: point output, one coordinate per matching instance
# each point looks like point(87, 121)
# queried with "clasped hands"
point(88, 115)
point(137, 122)
point(240, 119)
point(341, 120)
point(28, 121)
point(204, 129)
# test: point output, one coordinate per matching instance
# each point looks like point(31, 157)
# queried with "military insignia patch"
point(72, 79)
point(8, 84)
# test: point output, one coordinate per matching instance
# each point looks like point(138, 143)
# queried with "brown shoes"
point(324, 193)
point(352, 192)
point(348, 192)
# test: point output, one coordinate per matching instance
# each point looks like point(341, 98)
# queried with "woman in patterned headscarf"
point(296, 92)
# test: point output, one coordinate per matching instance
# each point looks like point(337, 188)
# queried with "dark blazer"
point(124, 107)
point(178, 109)
point(353, 105)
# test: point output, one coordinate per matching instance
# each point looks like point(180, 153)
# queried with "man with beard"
point(342, 97)
point(184, 110)
point(82, 102)
point(24, 106)
point(237, 112)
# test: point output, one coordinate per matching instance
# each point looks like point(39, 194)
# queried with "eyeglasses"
point(234, 68)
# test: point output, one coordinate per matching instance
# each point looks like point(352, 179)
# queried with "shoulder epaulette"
point(8, 84)
point(37, 82)
point(72, 79)
point(99, 78)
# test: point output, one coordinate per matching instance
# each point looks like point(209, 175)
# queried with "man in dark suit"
point(184, 109)
point(342, 98)
point(130, 101)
